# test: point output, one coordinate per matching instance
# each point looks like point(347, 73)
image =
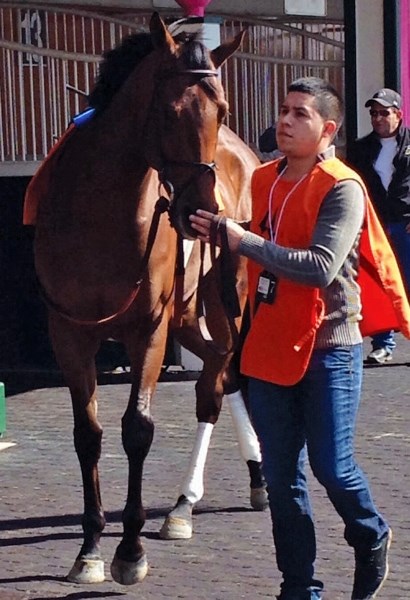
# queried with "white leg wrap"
point(193, 485)
point(248, 442)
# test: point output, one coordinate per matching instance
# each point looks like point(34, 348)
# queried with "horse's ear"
point(224, 51)
point(159, 33)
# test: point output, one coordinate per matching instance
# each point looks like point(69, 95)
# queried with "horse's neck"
point(123, 121)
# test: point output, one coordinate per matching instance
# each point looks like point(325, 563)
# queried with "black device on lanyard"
point(266, 290)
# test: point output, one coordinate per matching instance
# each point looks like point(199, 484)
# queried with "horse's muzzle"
point(199, 193)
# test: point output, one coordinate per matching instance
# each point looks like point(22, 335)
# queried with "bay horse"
point(110, 264)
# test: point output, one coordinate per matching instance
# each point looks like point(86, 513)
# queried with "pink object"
point(405, 59)
point(193, 8)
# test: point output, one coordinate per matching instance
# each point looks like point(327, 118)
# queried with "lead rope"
point(226, 284)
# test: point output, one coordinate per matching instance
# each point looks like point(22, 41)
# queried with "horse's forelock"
point(195, 55)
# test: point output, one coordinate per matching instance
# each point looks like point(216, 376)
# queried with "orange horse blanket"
point(39, 184)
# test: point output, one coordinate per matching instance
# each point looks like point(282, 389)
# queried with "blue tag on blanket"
point(83, 117)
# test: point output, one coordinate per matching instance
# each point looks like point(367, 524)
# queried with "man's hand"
point(201, 222)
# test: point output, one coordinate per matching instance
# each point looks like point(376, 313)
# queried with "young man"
point(303, 352)
point(383, 159)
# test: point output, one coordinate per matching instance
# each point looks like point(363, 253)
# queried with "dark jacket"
point(392, 205)
point(267, 141)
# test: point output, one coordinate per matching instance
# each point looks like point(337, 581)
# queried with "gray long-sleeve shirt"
point(329, 263)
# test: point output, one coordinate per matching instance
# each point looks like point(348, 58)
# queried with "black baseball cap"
point(385, 97)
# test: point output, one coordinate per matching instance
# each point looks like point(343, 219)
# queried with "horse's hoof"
point(259, 498)
point(176, 528)
point(87, 571)
point(129, 573)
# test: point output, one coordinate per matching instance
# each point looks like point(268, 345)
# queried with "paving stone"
point(231, 555)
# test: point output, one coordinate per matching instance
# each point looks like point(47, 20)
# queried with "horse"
point(110, 263)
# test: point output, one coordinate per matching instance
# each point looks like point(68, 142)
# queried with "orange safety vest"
point(282, 335)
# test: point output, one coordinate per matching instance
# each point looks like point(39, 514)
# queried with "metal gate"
point(49, 61)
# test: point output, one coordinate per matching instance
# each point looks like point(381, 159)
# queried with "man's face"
point(385, 120)
point(300, 127)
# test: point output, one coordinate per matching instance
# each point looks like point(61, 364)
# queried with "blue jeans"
point(384, 340)
point(314, 418)
point(400, 242)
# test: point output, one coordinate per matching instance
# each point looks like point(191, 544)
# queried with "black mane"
point(117, 65)
point(119, 62)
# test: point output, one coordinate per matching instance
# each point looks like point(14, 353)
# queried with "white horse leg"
point(249, 449)
point(178, 524)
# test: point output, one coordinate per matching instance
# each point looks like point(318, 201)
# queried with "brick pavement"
point(230, 556)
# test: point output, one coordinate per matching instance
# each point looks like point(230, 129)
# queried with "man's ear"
point(330, 129)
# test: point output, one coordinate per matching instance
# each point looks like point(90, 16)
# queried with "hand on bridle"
point(203, 222)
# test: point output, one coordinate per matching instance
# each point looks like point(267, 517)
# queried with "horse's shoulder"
point(230, 143)
point(235, 164)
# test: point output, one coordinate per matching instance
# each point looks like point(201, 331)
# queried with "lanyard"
point(282, 208)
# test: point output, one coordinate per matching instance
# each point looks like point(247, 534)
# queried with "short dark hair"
point(329, 103)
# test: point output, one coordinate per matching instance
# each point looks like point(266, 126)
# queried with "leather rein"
point(226, 286)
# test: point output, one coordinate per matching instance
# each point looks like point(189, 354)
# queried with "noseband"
point(199, 167)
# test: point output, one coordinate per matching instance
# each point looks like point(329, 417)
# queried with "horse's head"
point(187, 109)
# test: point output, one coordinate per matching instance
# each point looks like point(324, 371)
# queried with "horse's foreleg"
point(249, 449)
point(75, 355)
point(130, 563)
point(89, 566)
point(178, 523)
point(193, 484)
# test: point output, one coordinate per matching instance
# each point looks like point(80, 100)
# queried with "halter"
point(202, 166)
point(227, 280)
point(204, 72)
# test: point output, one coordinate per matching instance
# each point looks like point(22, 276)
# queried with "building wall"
point(369, 56)
point(405, 57)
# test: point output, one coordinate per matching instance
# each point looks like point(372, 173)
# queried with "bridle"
point(201, 167)
point(227, 282)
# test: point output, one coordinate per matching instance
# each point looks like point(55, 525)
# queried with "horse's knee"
point(87, 442)
point(137, 434)
point(208, 402)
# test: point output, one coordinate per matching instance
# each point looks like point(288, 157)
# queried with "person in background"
point(383, 159)
point(303, 352)
point(268, 145)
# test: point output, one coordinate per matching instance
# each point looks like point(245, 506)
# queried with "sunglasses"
point(383, 113)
